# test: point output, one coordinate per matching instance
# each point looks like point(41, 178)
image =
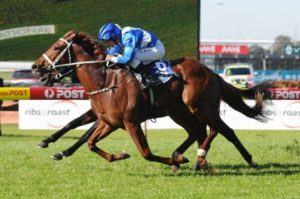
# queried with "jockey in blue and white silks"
point(135, 45)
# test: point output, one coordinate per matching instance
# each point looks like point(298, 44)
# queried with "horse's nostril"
point(34, 67)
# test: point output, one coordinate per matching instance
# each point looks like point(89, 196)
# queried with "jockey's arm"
point(129, 41)
point(115, 49)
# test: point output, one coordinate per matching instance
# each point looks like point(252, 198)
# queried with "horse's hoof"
point(253, 165)
point(180, 158)
point(201, 164)
point(196, 166)
point(174, 168)
point(42, 145)
point(124, 155)
point(184, 160)
point(204, 164)
point(57, 156)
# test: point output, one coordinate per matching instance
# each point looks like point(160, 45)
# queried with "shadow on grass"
point(243, 170)
point(221, 170)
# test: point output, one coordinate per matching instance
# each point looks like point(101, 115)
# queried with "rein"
point(101, 90)
point(53, 65)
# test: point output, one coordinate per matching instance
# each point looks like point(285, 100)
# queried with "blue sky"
point(250, 19)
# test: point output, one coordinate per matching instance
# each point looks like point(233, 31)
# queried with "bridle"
point(53, 66)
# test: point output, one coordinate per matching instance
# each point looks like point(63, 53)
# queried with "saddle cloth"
point(157, 72)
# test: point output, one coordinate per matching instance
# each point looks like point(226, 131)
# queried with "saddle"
point(154, 73)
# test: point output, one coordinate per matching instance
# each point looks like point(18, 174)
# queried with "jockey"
point(137, 46)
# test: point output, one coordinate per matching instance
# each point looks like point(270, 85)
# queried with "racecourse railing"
point(54, 107)
point(78, 93)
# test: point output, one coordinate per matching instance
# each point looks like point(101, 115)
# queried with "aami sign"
point(224, 49)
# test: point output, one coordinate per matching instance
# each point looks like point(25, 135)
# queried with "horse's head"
point(58, 61)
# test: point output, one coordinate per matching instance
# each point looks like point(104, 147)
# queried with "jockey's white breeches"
point(148, 55)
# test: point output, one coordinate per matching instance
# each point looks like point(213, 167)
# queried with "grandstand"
point(263, 54)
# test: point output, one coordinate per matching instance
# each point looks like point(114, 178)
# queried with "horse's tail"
point(233, 97)
point(262, 88)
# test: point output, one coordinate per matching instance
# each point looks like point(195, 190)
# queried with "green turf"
point(28, 172)
point(174, 21)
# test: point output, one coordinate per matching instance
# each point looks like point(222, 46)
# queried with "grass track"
point(174, 21)
point(28, 172)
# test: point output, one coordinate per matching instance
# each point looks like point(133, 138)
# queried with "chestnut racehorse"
point(191, 104)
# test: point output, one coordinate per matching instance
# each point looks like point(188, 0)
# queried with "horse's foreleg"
point(79, 143)
point(101, 132)
point(85, 118)
point(141, 143)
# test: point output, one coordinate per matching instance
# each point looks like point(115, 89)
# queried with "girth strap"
point(152, 104)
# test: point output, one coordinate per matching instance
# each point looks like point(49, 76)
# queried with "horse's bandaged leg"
point(201, 152)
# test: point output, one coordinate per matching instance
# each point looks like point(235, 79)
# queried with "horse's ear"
point(75, 34)
point(70, 34)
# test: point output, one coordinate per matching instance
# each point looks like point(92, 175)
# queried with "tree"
point(280, 43)
point(257, 51)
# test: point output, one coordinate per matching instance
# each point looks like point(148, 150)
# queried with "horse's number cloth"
point(160, 69)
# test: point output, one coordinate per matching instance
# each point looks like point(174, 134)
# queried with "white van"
point(239, 75)
point(24, 77)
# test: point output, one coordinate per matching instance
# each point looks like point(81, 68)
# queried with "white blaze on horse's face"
point(52, 64)
point(45, 66)
point(48, 70)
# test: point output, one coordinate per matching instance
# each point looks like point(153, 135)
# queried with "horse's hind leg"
point(203, 148)
point(229, 134)
point(204, 113)
point(79, 143)
point(195, 130)
point(204, 145)
point(101, 132)
point(85, 118)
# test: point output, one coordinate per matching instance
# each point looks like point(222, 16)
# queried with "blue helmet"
point(109, 31)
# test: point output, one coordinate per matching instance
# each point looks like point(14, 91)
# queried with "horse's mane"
point(90, 44)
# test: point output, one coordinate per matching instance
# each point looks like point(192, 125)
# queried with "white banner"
point(7, 66)
point(50, 114)
point(54, 114)
point(26, 31)
point(282, 114)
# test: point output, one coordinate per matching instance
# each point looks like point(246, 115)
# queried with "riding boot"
point(148, 80)
point(138, 69)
